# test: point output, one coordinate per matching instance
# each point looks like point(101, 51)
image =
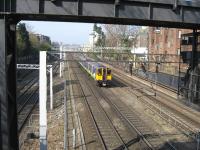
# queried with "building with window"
point(43, 38)
point(165, 41)
point(55, 46)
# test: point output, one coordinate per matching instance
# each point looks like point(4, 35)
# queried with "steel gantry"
point(168, 13)
point(37, 67)
point(42, 67)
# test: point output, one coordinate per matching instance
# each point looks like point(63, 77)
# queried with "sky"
point(67, 33)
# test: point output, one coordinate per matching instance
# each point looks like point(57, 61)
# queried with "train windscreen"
point(108, 71)
point(99, 72)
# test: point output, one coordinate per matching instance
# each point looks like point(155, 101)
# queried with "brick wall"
point(166, 41)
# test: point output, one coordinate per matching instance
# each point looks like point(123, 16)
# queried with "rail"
point(169, 117)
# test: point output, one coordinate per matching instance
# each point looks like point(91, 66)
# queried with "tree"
point(27, 42)
point(35, 44)
point(120, 35)
point(45, 46)
point(23, 43)
point(101, 36)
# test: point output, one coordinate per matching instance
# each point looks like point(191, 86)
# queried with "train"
point(100, 73)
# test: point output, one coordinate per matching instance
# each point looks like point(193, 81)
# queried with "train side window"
point(99, 71)
point(108, 72)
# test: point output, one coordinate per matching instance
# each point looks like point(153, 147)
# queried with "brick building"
point(165, 41)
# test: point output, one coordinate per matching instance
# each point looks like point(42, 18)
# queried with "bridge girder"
point(169, 13)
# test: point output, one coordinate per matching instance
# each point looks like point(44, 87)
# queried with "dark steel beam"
point(11, 82)
point(167, 13)
point(90, 19)
point(8, 114)
point(3, 96)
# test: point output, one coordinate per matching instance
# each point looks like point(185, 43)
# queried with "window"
point(152, 41)
point(99, 71)
point(157, 30)
point(157, 46)
point(108, 71)
point(184, 40)
point(179, 34)
point(104, 71)
point(178, 51)
point(190, 40)
point(166, 38)
point(169, 44)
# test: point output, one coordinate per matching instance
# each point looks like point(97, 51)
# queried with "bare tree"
point(29, 28)
point(120, 35)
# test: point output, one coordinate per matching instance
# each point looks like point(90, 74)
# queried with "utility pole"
point(51, 88)
point(65, 107)
point(61, 49)
point(42, 101)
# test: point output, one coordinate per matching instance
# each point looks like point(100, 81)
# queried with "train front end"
point(103, 76)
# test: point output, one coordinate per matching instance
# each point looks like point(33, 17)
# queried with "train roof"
point(97, 64)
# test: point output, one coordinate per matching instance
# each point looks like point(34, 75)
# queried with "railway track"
point(26, 89)
point(145, 135)
point(29, 98)
point(27, 110)
point(25, 80)
point(175, 121)
point(150, 137)
point(26, 103)
point(158, 94)
point(25, 99)
point(161, 99)
point(23, 75)
point(175, 115)
point(106, 131)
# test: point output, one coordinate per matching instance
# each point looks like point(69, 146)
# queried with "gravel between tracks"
point(168, 134)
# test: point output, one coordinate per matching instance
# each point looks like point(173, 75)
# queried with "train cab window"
point(108, 71)
point(104, 71)
point(99, 71)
